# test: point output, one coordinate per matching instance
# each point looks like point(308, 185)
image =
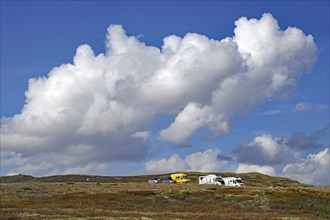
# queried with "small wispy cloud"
point(299, 107)
point(306, 107)
point(272, 112)
point(303, 106)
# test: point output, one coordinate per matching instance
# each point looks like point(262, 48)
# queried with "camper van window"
point(239, 181)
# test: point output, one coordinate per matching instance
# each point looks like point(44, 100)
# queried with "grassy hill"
point(16, 178)
point(250, 179)
point(131, 197)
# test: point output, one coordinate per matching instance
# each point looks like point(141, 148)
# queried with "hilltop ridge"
point(252, 179)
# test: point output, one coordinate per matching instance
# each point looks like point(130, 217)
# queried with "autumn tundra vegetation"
point(132, 197)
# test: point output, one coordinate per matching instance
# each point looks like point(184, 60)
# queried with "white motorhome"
point(211, 179)
point(232, 181)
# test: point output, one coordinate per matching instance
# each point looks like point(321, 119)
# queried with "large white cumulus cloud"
point(99, 108)
point(269, 64)
point(263, 150)
point(284, 156)
point(246, 168)
point(315, 169)
point(207, 161)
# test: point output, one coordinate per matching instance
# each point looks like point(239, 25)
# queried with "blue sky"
point(287, 127)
